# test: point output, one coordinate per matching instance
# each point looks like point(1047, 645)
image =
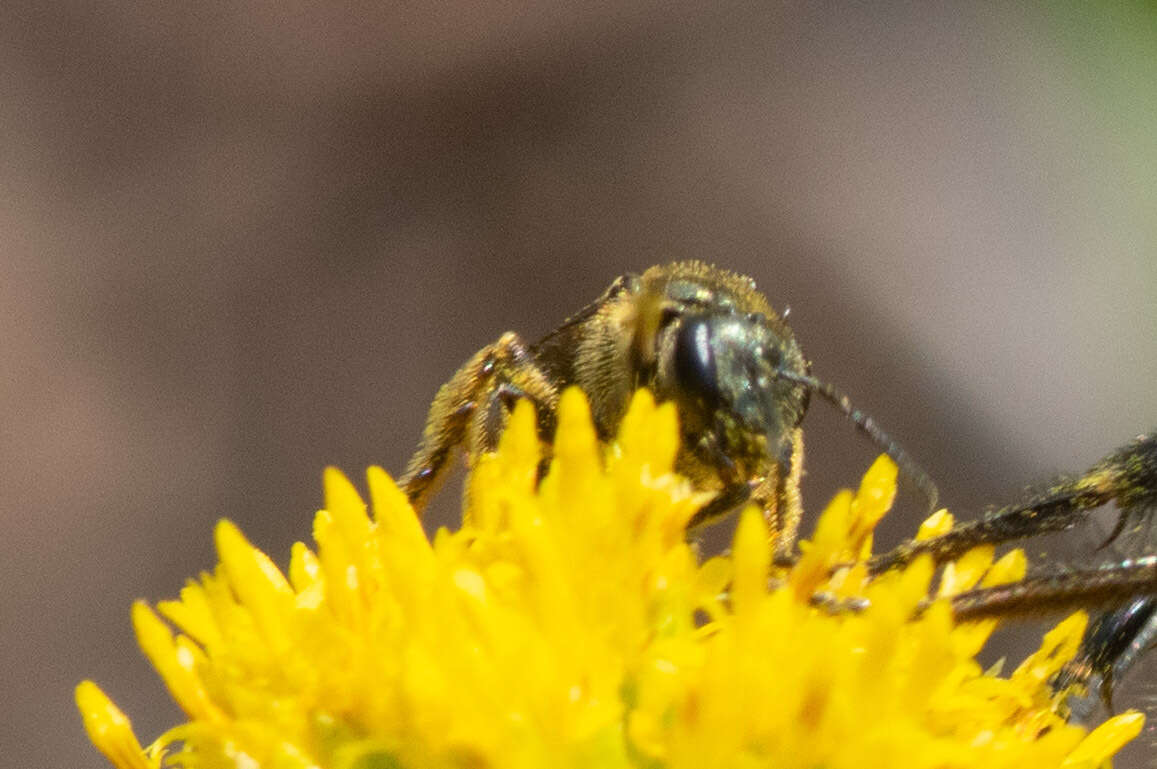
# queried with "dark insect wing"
point(573, 328)
point(1113, 644)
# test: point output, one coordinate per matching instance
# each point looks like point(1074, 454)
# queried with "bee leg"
point(1050, 594)
point(470, 411)
point(1128, 475)
point(1114, 640)
point(789, 503)
point(779, 497)
point(1059, 511)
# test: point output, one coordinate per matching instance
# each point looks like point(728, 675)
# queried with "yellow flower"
point(569, 623)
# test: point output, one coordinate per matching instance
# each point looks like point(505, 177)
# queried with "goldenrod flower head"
point(568, 623)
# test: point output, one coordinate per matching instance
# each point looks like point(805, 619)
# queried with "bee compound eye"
point(695, 369)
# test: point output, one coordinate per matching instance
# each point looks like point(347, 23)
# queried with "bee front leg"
point(470, 411)
point(779, 497)
point(777, 494)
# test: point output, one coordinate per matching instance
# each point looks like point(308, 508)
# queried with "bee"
point(707, 340)
point(694, 334)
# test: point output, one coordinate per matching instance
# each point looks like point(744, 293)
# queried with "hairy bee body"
point(702, 337)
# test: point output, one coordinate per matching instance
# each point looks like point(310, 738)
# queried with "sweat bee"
point(707, 340)
point(694, 334)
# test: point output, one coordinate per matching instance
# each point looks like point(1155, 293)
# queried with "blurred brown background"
point(239, 242)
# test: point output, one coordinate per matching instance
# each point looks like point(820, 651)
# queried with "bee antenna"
point(868, 426)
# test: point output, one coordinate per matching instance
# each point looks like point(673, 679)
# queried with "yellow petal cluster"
point(568, 623)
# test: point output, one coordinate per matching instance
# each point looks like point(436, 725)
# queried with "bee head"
point(723, 368)
point(709, 341)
